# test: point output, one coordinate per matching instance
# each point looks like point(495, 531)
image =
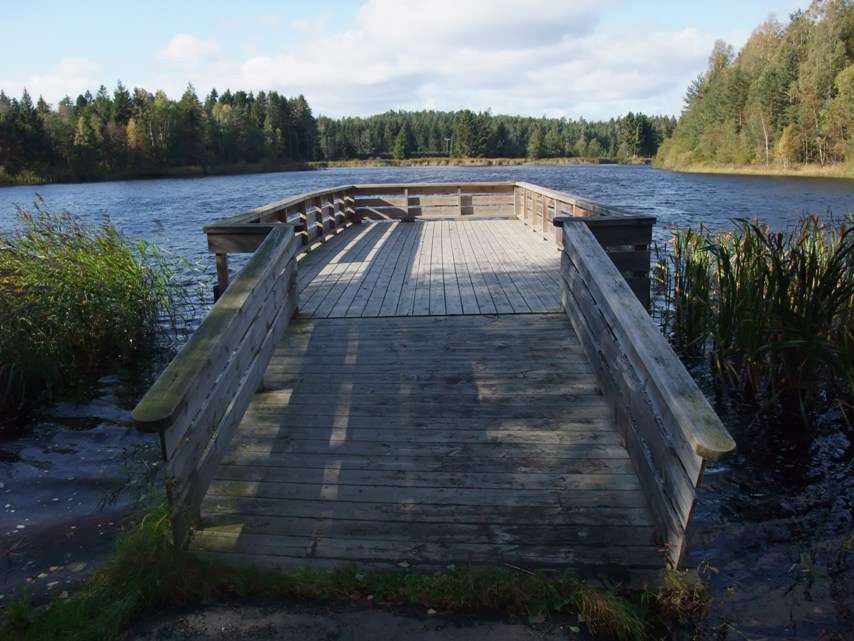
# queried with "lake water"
point(772, 520)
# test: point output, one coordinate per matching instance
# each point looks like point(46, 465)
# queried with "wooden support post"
point(221, 275)
point(532, 211)
point(350, 207)
point(406, 204)
point(318, 218)
point(460, 200)
point(307, 231)
point(336, 210)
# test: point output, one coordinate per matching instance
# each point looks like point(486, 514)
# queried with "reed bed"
point(772, 311)
point(74, 301)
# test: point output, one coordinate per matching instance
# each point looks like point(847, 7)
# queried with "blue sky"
point(582, 58)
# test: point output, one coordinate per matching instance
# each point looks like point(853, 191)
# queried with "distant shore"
point(801, 171)
point(444, 161)
point(198, 171)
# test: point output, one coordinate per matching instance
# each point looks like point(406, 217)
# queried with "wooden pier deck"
point(452, 390)
point(431, 268)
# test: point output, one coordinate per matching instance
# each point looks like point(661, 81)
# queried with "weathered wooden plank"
point(479, 480)
point(522, 534)
point(344, 461)
point(425, 462)
point(437, 272)
point(429, 512)
point(377, 274)
point(479, 451)
point(386, 303)
point(352, 549)
point(434, 495)
point(453, 295)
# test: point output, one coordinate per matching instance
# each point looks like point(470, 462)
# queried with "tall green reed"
point(74, 300)
point(774, 311)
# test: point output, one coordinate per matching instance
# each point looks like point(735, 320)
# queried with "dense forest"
point(140, 133)
point(787, 97)
point(137, 133)
point(466, 134)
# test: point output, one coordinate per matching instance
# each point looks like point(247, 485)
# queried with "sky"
point(581, 58)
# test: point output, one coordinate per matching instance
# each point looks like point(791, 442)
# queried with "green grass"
point(774, 312)
point(147, 575)
point(74, 300)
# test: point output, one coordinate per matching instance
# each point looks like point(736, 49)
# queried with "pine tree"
point(401, 147)
point(535, 144)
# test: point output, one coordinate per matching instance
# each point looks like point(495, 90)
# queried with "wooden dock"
point(453, 389)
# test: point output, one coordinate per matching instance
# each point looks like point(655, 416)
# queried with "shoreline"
point(197, 171)
point(837, 171)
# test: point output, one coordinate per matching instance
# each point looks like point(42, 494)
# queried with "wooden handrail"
point(258, 214)
point(198, 401)
point(625, 237)
point(667, 423)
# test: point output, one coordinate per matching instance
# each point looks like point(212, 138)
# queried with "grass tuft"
point(148, 574)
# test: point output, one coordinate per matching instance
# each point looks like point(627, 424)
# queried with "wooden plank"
point(385, 260)
point(364, 277)
point(468, 299)
point(340, 271)
point(388, 305)
point(332, 268)
point(331, 527)
point(466, 480)
point(434, 495)
point(428, 512)
point(396, 259)
point(347, 550)
point(499, 263)
point(453, 295)
point(437, 272)
point(485, 273)
point(424, 462)
point(275, 436)
point(421, 300)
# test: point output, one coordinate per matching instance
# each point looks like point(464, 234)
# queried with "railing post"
point(221, 275)
point(336, 210)
point(317, 203)
point(303, 219)
point(350, 206)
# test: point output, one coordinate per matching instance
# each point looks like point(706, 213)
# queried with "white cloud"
point(515, 56)
point(70, 76)
point(185, 48)
point(533, 57)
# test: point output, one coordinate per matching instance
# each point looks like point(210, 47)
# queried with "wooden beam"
point(221, 275)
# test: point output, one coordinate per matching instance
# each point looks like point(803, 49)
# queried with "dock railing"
point(667, 424)
point(321, 214)
point(199, 400)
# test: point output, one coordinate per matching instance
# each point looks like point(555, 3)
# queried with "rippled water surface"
point(773, 528)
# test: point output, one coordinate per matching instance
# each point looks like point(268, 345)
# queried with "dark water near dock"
point(773, 531)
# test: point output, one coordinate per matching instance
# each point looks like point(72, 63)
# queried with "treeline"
point(139, 133)
point(136, 133)
point(787, 97)
point(465, 134)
